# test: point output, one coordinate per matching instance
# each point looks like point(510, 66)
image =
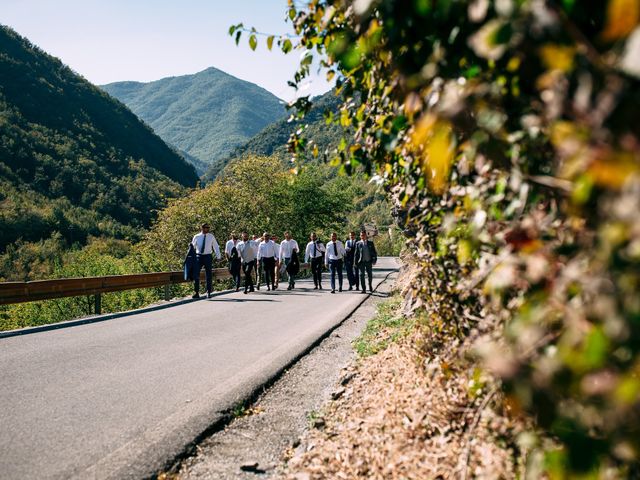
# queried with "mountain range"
point(207, 115)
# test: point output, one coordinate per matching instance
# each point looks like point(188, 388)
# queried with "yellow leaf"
point(558, 57)
point(434, 142)
point(622, 17)
point(614, 170)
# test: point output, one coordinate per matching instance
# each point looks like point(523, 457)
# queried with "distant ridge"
point(206, 115)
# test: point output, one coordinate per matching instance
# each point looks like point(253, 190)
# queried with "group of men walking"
point(269, 260)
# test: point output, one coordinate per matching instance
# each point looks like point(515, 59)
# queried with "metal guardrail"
point(20, 292)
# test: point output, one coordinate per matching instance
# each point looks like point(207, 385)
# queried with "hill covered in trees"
point(272, 140)
point(207, 114)
point(73, 160)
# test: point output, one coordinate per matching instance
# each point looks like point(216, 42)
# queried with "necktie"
point(204, 239)
point(314, 249)
point(335, 249)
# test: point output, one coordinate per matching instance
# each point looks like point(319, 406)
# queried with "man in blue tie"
point(205, 244)
point(349, 261)
point(333, 259)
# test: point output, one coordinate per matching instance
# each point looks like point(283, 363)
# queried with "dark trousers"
point(368, 267)
point(316, 269)
point(248, 269)
point(352, 274)
point(335, 266)
point(205, 261)
point(235, 269)
point(259, 274)
point(269, 265)
point(292, 279)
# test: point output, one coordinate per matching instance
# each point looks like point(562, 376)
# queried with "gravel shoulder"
point(265, 434)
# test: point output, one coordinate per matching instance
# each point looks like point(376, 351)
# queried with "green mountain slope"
point(272, 140)
point(72, 159)
point(206, 115)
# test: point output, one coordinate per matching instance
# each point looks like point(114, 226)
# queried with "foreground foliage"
point(508, 132)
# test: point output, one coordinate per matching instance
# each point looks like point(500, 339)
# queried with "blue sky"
point(113, 40)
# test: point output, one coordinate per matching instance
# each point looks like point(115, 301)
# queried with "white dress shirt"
point(248, 250)
point(334, 253)
point(310, 252)
point(267, 249)
point(287, 247)
point(210, 244)
point(229, 246)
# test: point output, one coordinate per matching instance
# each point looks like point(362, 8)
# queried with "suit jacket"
point(351, 253)
point(294, 264)
point(372, 251)
point(190, 264)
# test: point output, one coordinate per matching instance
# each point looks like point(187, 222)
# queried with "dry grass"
point(409, 413)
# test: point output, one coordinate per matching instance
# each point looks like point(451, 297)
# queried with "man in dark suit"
point(366, 257)
point(349, 261)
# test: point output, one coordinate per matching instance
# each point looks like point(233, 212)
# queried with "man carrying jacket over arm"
point(205, 244)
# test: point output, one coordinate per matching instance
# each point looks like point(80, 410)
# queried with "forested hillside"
point(74, 163)
point(272, 140)
point(207, 114)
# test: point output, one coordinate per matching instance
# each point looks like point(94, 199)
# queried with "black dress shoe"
point(195, 295)
point(316, 287)
point(364, 291)
point(333, 291)
point(209, 294)
point(245, 292)
point(268, 289)
point(320, 287)
point(289, 287)
point(350, 288)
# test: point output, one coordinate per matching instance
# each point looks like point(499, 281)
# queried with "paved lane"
point(119, 398)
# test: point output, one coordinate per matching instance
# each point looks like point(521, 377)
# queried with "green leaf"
point(287, 46)
point(270, 42)
point(253, 42)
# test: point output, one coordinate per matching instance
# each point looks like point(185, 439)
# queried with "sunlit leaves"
point(287, 46)
point(434, 144)
point(622, 18)
point(558, 57)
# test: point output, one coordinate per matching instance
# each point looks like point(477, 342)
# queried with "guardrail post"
point(98, 303)
point(167, 292)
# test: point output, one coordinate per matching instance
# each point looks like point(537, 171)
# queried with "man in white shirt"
point(314, 253)
point(229, 245)
point(334, 259)
point(267, 257)
point(277, 244)
point(259, 266)
point(248, 250)
point(234, 267)
point(205, 244)
point(287, 247)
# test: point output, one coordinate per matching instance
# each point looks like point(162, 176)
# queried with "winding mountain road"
point(122, 397)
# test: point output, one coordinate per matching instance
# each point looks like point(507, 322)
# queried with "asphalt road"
point(120, 398)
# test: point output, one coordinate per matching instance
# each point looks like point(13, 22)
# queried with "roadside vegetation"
point(508, 134)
